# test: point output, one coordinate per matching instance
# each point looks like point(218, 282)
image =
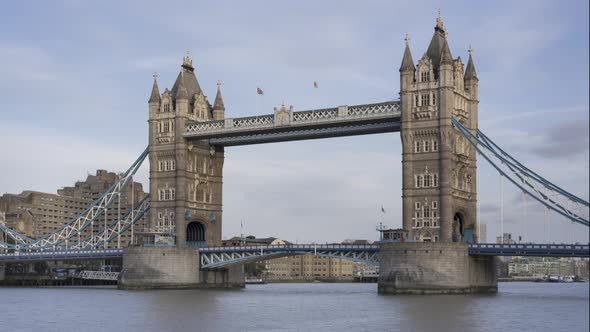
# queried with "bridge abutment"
point(173, 267)
point(434, 268)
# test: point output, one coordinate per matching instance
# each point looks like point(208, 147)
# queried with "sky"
point(76, 77)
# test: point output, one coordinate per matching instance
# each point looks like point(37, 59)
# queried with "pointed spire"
point(439, 23)
point(218, 104)
point(181, 92)
point(155, 96)
point(470, 71)
point(445, 56)
point(407, 61)
point(187, 79)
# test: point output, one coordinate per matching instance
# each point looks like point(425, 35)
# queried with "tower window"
point(426, 146)
point(416, 101)
point(418, 146)
point(426, 100)
point(418, 205)
point(434, 99)
point(434, 206)
point(419, 181)
point(427, 180)
point(434, 145)
point(435, 180)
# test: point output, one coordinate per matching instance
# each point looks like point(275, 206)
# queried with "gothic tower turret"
point(218, 107)
point(438, 187)
point(185, 178)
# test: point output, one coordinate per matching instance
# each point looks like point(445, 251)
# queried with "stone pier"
point(434, 268)
point(173, 267)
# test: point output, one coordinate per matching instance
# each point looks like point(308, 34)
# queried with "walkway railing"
point(287, 118)
point(98, 275)
point(530, 249)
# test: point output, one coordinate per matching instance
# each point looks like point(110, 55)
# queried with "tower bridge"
point(437, 117)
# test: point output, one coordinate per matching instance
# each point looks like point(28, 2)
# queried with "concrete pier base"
point(172, 267)
point(434, 268)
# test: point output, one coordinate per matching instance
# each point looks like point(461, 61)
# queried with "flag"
point(315, 84)
point(259, 91)
point(382, 209)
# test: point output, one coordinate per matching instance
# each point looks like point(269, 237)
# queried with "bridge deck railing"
point(529, 246)
point(292, 247)
point(268, 121)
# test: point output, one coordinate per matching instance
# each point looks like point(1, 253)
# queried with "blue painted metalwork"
point(80, 222)
point(307, 134)
point(529, 249)
point(216, 257)
point(529, 182)
point(196, 244)
point(286, 125)
point(59, 255)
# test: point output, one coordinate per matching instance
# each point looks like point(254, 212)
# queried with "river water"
point(518, 306)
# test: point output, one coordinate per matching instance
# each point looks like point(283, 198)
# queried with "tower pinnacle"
point(439, 23)
point(407, 61)
point(218, 104)
point(187, 62)
point(155, 96)
point(470, 70)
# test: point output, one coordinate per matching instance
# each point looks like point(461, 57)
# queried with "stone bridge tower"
point(439, 166)
point(185, 178)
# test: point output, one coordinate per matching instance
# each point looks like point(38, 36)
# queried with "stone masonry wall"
point(433, 268)
point(173, 267)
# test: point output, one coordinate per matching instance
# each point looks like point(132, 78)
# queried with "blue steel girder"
point(61, 255)
point(80, 222)
point(530, 249)
point(292, 126)
point(218, 257)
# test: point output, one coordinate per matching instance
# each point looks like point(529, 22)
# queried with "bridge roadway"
point(286, 125)
point(215, 257)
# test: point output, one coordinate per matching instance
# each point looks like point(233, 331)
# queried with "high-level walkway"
point(285, 125)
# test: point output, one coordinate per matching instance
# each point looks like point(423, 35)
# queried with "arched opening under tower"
point(195, 234)
point(426, 237)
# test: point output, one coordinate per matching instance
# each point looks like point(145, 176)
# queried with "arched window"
point(427, 180)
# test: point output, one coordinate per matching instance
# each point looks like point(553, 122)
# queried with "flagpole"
point(257, 95)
